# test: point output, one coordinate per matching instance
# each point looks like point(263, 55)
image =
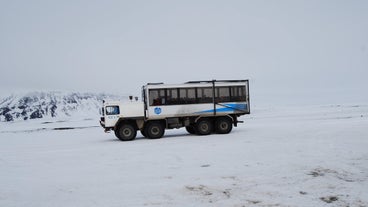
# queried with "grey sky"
point(291, 48)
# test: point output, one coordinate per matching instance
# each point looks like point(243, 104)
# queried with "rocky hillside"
point(36, 105)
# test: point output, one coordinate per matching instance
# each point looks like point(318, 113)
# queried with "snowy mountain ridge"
point(51, 105)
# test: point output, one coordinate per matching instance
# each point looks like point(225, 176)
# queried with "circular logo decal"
point(158, 110)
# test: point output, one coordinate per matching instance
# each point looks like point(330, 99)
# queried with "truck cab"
point(113, 111)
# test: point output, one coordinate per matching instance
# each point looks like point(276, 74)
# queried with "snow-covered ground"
point(280, 156)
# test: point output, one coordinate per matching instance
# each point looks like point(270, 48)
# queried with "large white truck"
point(202, 107)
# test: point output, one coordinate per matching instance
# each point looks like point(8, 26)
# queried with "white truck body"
point(223, 107)
point(171, 106)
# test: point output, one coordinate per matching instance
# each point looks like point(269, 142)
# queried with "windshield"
point(112, 110)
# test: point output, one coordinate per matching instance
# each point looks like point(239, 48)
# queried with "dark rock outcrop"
point(38, 105)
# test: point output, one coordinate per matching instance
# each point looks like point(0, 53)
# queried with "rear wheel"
point(154, 130)
point(204, 127)
point(126, 132)
point(223, 125)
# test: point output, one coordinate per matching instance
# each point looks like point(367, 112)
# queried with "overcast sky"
point(293, 48)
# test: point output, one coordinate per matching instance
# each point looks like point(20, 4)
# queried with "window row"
point(178, 96)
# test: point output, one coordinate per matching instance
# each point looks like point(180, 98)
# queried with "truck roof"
point(197, 84)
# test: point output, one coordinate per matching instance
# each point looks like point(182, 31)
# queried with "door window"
point(112, 110)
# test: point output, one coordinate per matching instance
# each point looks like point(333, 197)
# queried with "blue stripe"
point(228, 108)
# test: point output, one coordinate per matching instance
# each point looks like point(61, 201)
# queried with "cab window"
point(112, 110)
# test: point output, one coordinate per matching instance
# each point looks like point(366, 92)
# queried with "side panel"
point(157, 112)
point(110, 120)
point(134, 109)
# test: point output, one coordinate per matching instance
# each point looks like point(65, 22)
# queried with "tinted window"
point(172, 97)
point(204, 95)
point(157, 97)
point(238, 93)
point(223, 94)
point(178, 96)
point(187, 96)
point(112, 110)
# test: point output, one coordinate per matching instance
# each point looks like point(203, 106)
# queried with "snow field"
point(299, 156)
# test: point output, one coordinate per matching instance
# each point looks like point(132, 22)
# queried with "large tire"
point(126, 132)
point(223, 125)
point(143, 133)
point(117, 133)
point(191, 129)
point(154, 130)
point(204, 127)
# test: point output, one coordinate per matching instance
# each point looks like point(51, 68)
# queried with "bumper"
point(102, 124)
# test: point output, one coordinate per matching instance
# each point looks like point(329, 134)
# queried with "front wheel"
point(126, 132)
